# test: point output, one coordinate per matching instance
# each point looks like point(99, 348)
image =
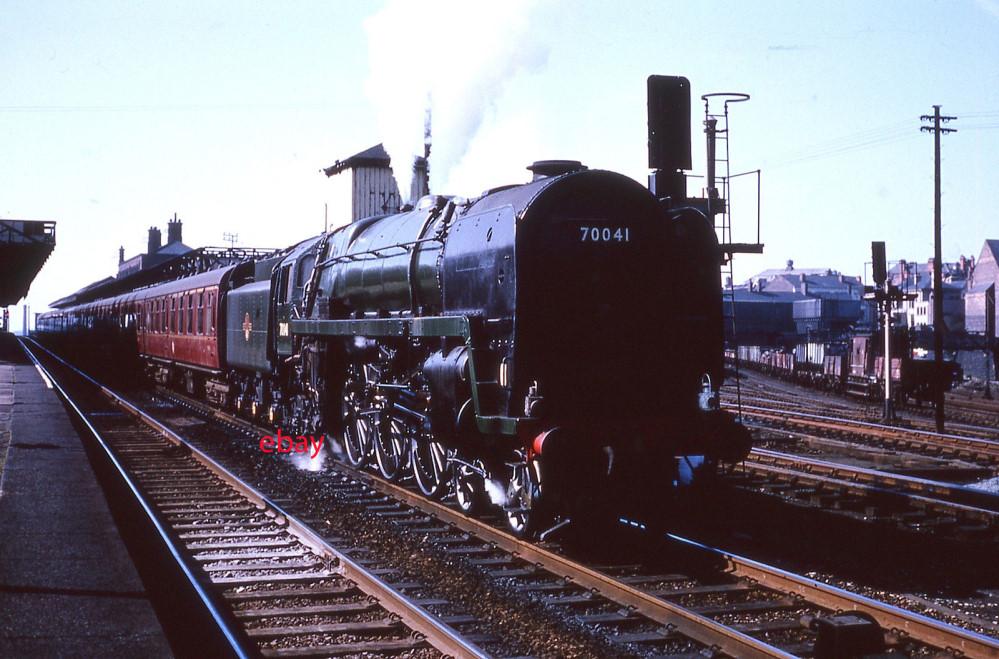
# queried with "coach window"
point(173, 314)
point(201, 312)
point(211, 315)
point(190, 313)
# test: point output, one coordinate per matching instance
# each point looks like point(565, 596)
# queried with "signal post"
point(887, 295)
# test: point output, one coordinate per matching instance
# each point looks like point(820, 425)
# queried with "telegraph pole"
point(938, 313)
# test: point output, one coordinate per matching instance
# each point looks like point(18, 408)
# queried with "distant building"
point(155, 252)
point(822, 302)
point(760, 318)
point(917, 278)
point(982, 284)
point(910, 273)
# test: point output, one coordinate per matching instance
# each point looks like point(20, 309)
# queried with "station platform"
point(68, 587)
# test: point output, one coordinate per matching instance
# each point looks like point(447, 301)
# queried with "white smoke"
point(455, 56)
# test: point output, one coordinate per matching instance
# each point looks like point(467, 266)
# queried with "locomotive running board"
point(459, 326)
point(427, 326)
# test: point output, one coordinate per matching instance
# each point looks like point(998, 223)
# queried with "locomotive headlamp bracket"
point(707, 399)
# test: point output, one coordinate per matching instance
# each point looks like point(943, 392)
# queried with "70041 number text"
point(604, 234)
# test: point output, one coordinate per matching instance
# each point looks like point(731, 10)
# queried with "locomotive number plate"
point(604, 234)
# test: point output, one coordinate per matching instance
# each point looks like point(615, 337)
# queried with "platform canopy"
point(24, 248)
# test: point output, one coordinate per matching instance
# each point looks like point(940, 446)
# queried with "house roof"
point(993, 246)
point(174, 248)
point(767, 297)
point(375, 156)
point(777, 272)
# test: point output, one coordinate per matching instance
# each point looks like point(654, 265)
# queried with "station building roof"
point(25, 245)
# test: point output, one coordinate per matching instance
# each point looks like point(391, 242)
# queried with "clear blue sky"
point(115, 115)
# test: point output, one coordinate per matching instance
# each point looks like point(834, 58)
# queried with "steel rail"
point(237, 643)
point(879, 494)
point(688, 623)
point(438, 634)
point(930, 631)
point(986, 444)
point(985, 450)
point(684, 621)
point(884, 481)
point(801, 404)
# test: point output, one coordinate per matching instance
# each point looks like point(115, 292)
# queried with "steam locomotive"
point(552, 348)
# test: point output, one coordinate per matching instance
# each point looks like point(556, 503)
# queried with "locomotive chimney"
point(154, 241)
point(174, 230)
point(419, 186)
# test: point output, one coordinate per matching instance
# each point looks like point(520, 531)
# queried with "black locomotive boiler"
point(552, 348)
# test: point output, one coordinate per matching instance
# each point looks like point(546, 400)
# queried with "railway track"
point(734, 607)
point(740, 607)
point(274, 586)
point(914, 504)
point(971, 415)
point(859, 413)
point(979, 451)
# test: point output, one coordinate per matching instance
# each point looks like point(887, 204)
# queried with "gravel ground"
point(903, 571)
point(523, 625)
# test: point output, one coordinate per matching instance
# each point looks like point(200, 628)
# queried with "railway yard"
point(834, 521)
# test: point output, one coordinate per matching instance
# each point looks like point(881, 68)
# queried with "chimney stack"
point(121, 255)
point(420, 186)
point(173, 230)
point(154, 241)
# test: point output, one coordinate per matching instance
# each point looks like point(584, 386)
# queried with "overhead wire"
point(875, 137)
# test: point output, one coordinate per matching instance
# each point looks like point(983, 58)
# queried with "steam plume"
point(449, 56)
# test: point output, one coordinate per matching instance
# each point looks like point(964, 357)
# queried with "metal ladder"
point(716, 129)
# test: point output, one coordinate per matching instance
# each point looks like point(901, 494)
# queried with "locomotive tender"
point(553, 348)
